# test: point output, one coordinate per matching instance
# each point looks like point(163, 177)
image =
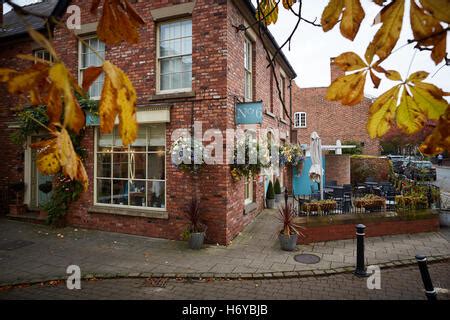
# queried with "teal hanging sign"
point(249, 113)
point(92, 120)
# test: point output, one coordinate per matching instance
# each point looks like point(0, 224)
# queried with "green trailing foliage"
point(277, 187)
point(270, 191)
point(64, 191)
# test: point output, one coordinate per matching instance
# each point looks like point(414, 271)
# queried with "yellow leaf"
point(393, 75)
point(331, 14)
point(351, 18)
point(127, 118)
point(74, 117)
point(424, 27)
point(409, 116)
point(440, 9)
point(118, 97)
point(348, 89)
point(417, 76)
point(5, 74)
point(425, 96)
point(29, 79)
point(43, 42)
point(349, 61)
point(82, 175)
point(107, 107)
point(267, 11)
point(48, 163)
point(67, 155)
point(382, 113)
point(387, 36)
point(439, 139)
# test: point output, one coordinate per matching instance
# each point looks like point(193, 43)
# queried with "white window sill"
point(172, 95)
point(131, 212)
point(270, 114)
point(250, 207)
point(284, 121)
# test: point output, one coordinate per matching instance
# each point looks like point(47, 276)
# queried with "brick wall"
point(217, 82)
point(373, 229)
point(331, 120)
point(337, 167)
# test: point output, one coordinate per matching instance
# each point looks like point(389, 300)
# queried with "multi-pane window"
point(133, 176)
point(175, 56)
point(42, 54)
point(248, 190)
point(283, 97)
point(300, 120)
point(88, 58)
point(248, 66)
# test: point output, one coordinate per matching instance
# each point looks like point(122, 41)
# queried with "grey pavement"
point(255, 252)
point(398, 284)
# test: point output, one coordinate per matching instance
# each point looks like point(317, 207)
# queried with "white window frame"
point(298, 117)
point(248, 69)
point(248, 186)
point(125, 207)
point(283, 93)
point(38, 54)
point(158, 59)
point(80, 61)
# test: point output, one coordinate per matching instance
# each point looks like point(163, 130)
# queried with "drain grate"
point(14, 245)
point(156, 282)
point(307, 258)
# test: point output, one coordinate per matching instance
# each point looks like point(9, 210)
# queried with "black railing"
point(364, 200)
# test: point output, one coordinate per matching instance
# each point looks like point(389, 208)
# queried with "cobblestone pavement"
point(45, 253)
point(398, 284)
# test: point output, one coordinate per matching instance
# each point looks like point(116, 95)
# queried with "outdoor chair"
point(315, 192)
point(338, 195)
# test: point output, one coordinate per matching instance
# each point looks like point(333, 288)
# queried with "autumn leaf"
point(89, 76)
point(5, 74)
point(410, 117)
point(420, 102)
point(382, 113)
point(58, 154)
point(119, 21)
point(74, 117)
point(387, 36)
point(118, 99)
point(288, 3)
point(440, 9)
point(425, 26)
point(352, 16)
point(267, 11)
point(349, 89)
point(439, 139)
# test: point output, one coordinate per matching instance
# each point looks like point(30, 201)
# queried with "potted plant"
point(196, 232)
point(270, 196)
point(289, 234)
point(17, 208)
point(277, 189)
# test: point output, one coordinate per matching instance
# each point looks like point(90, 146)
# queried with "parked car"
point(397, 163)
point(420, 170)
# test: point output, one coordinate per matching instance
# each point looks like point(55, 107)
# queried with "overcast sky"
point(311, 48)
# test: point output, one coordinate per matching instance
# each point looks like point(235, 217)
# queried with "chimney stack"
point(335, 71)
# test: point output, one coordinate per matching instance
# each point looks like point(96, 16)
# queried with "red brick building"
point(331, 120)
point(191, 64)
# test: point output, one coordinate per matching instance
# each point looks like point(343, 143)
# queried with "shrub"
point(270, 191)
point(277, 187)
point(287, 217)
point(354, 151)
point(363, 167)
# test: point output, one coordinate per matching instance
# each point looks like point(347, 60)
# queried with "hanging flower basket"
point(249, 167)
point(292, 155)
point(188, 154)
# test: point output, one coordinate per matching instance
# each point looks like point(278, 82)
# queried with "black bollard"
point(360, 263)
point(430, 292)
point(286, 197)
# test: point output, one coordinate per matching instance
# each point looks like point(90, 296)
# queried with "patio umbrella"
point(315, 172)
